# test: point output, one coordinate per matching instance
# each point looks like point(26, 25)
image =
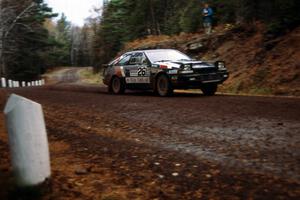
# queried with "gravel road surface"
point(140, 146)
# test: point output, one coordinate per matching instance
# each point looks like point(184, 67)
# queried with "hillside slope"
point(258, 64)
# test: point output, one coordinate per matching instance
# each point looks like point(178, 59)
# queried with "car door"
point(137, 71)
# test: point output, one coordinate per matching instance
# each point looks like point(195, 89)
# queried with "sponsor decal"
point(138, 80)
point(133, 73)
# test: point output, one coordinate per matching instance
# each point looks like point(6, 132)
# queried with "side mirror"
point(104, 66)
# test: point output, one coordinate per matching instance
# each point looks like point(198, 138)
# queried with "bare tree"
point(155, 26)
point(1, 36)
point(75, 44)
point(8, 21)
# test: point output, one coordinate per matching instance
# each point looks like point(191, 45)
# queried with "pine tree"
point(25, 38)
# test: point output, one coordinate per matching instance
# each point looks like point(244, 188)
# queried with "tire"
point(116, 86)
point(209, 89)
point(163, 86)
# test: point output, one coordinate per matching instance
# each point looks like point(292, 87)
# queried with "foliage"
point(31, 42)
point(62, 43)
point(24, 38)
point(126, 20)
point(191, 17)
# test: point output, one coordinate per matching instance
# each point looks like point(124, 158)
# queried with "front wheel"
point(209, 89)
point(163, 86)
point(116, 86)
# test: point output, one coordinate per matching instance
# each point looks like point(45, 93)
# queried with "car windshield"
point(117, 59)
point(166, 55)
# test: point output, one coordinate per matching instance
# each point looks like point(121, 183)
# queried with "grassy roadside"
point(87, 76)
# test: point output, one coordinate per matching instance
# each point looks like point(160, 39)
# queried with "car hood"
point(192, 63)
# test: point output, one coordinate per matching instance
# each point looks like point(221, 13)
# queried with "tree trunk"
point(6, 28)
point(1, 40)
point(154, 25)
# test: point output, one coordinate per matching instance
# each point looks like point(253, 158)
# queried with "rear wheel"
point(209, 89)
point(163, 86)
point(116, 86)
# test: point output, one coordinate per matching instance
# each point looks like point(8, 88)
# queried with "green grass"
point(261, 91)
point(88, 76)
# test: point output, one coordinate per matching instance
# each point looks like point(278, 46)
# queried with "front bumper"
point(186, 81)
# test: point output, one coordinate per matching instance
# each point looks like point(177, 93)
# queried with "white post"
point(10, 83)
point(27, 140)
point(36, 83)
point(43, 81)
point(28, 84)
point(23, 84)
point(40, 83)
point(3, 82)
point(32, 83)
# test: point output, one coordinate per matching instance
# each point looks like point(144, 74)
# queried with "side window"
point(124, 60)
point(139, 59)
point(136, 59)
point(144, 60)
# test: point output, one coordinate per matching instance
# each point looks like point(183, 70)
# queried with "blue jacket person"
point(207, 13)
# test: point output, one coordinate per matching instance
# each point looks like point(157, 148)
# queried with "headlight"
point(187, 67)
point(221, 66)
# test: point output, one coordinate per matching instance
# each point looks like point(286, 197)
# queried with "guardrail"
point(8, 83)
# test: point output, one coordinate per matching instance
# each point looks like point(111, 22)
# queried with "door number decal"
point(142, 71)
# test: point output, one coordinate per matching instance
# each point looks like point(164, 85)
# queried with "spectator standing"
point(207, 13)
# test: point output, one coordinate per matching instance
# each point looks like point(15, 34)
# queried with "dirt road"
point(64, 75)
point(140, 146)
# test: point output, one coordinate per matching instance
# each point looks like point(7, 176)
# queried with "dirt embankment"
point(257, 63)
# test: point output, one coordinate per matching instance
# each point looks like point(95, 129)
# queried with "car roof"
point(151, 50)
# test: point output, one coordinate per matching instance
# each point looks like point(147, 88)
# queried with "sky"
point(75, 10)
